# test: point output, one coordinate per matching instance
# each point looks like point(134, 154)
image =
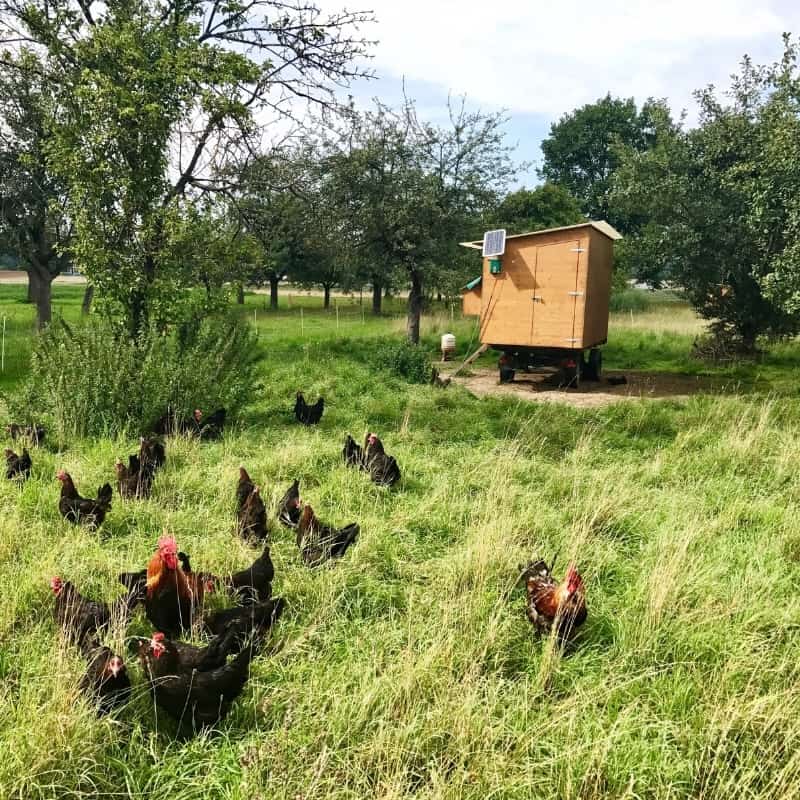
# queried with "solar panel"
point(494, 243)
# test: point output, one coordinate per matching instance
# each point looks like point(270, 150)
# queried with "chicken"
point(131, 481)
point(253, 584)
point(34, 433)
point(152, 455)
point(211, 426)
point(195, 698)
point(319, 542)
point(199, 582)
point(308, 415)
point(79, 616)
point(353, 453)
point(289, 507)
point(250, 511)
point(242, 621)
point(135, 582)
point(170, 599)
point(18, 467)
point(382, 468)
point(79, 509)
point(213, 655)
point(106, 679)
point(549, 603)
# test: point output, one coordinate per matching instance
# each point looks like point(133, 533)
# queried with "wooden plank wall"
point(598, 289)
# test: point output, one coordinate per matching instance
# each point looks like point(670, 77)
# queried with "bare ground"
point(536, 388)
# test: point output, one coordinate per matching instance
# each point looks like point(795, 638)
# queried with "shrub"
point(92, 379)
point(630, 300)
point(404, 359)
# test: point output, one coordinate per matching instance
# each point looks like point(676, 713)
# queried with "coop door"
point(556, 294)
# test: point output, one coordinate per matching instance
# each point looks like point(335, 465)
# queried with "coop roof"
point(473, 284)
point(600, 225)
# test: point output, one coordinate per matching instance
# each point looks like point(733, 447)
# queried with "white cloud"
point(549, 57)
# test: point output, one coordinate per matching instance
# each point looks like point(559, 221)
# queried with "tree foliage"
point(723, 203)
point(159, 97)
point(581, 151)
point(34, 223)
point(546, 206)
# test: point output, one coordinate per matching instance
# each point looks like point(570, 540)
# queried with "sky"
point(539, 60)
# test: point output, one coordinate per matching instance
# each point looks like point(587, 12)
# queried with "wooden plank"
point(555, 299)
point(598, 290)
point(480, 351)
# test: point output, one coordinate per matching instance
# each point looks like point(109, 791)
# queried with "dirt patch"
point(538, 389)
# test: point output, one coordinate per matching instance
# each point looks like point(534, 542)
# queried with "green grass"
point(409, 669)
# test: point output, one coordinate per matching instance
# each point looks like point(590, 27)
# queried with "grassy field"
point(408, 668)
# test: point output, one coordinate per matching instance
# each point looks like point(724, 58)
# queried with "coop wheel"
point(570, 376)
point(506, 374)
point(594, 367)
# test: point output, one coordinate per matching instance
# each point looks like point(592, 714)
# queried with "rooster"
point(106, 680)
point(195, 698)
point(319, 542)
point(34, 433)
point(382, 468)
point(250, 510)
point(289, 507)
point(353, 453)
point(170, 598)
point(79, 509)
point(79, 616)
point(306, 414)
point(18, 467)
point(550, 604)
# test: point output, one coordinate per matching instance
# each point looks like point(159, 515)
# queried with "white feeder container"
point(448, 346)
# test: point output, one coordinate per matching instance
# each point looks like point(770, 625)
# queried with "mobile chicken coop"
point(543, 297)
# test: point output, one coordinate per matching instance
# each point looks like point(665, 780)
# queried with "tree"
point(546, 206)
point(581, 151)
point(723, 204)
point(33, 219)
point(159, 97)
point(416, 189)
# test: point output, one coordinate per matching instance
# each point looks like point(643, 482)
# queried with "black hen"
point(308, 415)
point(319, 542)
point(289, 507)
point(254, 583)
point(241, 621)
point(353, 453)
point(79, 616)
point(250, 510)
point(79, 509)
point(106, 679)
point(196, 699)
point(210, 427)
point(382, 468)
point(18, 467)
point(34, 433)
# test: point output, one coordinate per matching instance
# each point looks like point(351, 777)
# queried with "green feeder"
point(494, 266)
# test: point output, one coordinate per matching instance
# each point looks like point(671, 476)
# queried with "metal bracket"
point(537, 298)
point(575, 294)
point(578, 250)
point(571, 340)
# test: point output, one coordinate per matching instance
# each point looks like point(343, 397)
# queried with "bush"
point(404, 359)
point(630, 300)
point(92, 379)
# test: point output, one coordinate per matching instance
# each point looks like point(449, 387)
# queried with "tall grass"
point(408, 668)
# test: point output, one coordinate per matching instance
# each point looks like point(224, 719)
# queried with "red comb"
point(167, 543)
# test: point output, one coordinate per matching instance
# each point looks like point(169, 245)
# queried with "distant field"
point(409, 669)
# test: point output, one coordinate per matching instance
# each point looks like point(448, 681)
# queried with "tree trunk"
point(414, 307)
point(33, 281)
point(273, 293)
point(88, 296)
point(438, 296)
point(326, 303)
point(240, 294)
point(376, 297)
point(138, 311)
point(388, 293)
point(43, 300)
